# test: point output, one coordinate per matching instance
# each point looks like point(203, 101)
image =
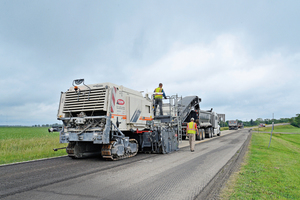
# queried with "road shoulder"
point(215, 186)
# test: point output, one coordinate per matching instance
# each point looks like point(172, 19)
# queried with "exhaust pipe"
point(59, 148)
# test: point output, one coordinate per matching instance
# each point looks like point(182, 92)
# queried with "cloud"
point(29, 114)
point(242, 59)
point(225, 75)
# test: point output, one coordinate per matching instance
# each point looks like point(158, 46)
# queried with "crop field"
point(28, 143)
point(268, 173)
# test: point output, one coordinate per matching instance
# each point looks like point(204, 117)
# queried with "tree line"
point(295, 121)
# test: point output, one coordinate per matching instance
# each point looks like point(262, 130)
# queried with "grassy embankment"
point(282, 129)
point(268, 173)
point(28, 143)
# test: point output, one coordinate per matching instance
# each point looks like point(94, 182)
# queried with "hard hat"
point(192, 119)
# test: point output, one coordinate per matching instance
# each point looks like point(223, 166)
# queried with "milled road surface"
point(178, 175)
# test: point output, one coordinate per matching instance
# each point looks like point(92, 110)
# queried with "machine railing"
point(174, 107)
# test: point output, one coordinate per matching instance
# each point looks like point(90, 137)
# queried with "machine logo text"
point(120, 102)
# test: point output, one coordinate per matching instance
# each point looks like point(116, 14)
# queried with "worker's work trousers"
point(156, 103)
point(192, 141)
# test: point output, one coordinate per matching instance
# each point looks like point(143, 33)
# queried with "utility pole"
point(271, 131)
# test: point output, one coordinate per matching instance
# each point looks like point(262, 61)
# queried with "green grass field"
point(28, 143)
point(282, 129)
point(268, 173)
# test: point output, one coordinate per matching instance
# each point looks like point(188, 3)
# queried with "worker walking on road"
point(158, 95)
point(191, 131)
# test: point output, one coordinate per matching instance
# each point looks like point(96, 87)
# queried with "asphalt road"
point(178, 175)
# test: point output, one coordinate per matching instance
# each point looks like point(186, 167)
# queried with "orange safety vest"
point(158, 96)
point(191, 128)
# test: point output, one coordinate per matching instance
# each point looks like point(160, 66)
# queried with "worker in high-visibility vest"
point(158, 95)
point(191, 130)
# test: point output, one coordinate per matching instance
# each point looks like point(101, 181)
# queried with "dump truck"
point(112, 121)
point(233, 124)
point(209, 123)
point(240, 125)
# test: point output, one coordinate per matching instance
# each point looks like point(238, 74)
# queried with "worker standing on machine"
point(158, 95)
point(191, 131)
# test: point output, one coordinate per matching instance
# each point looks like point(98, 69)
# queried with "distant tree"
point(267, 121)
point(259, 120)
point(223, 124)
point(246, 123)
point(297, 120)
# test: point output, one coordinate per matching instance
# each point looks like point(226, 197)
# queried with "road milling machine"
point(113, 121)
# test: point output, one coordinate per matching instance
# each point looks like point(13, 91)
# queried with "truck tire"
point(198, 137)
point(206, 133)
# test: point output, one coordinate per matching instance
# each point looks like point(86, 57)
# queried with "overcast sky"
point(240, 57)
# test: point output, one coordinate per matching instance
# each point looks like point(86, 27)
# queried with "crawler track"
point(106, 151)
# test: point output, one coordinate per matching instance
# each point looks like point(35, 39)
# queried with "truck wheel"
point(206, 133)
point(198, 137)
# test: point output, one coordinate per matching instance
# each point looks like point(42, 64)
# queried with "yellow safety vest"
point(158, 96)
point(191, 128)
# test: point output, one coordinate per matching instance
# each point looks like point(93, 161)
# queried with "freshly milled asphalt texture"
point(178, 175)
